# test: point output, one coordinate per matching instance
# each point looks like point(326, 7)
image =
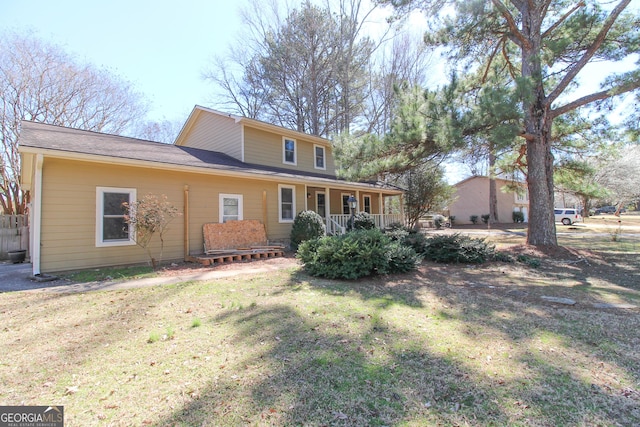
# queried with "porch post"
point(327, 207)
point(306, 199)
point(383, 224)
point(404, 220)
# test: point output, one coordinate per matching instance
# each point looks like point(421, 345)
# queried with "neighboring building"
point(472, 198)
point(221, 168)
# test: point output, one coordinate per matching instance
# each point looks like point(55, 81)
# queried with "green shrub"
point(357, 254)
point(401, 258)
point(485, 218)
point(362, 221)
point(408, 237)
point(452, 219)
point(503, 257)
point(307, 225)
point(474, 219)
point(518, 216)
point(438, 220)
point(458, 248)
point(530, 261)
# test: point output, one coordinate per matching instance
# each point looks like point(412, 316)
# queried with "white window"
point(522, 196)
point(286, 202)
point(230, 207)
point(367, 204)
point(346, 210)
point(321, 204)
point(319, 156)
point(289, 155)
point(111, 225)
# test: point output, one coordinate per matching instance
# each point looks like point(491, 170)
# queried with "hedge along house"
point(220, 168)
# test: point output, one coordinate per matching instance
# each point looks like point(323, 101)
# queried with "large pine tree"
point(544, 46)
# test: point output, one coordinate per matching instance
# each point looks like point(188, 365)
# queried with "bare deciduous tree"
point(315, 69)
point(40, 82)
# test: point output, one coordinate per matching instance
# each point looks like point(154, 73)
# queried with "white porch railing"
point(334, 227)
point(337, 224)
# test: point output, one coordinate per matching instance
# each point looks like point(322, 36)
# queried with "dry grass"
point(446, 345)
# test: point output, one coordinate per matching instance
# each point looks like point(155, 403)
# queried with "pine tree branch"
point(562, 19)
point(580, 64)
point(598, 96)
point(518, 37)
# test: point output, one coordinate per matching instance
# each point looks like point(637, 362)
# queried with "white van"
point(567, 216)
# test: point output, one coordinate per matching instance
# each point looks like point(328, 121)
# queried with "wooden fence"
point(14, 234)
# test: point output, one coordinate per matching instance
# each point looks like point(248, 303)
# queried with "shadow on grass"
point(311, 373)
point(305, 370)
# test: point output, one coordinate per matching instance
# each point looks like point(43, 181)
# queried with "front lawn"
point(445, 345)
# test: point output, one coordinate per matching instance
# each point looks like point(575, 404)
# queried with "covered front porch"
point(384, 205)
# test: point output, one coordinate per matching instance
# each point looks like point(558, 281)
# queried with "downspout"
point(186, 222)
point(36, 216)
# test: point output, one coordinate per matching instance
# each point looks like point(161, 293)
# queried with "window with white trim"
point(286, 202)
point(319, 157)
point(289, 155)
point(522, 196)
point(367, 203)
point(346, 210)
point(230, 207)
point(321, 204)
point(111, 225)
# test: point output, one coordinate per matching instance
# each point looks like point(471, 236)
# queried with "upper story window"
point(230, 207)
point(289, 155)
point(319, 157)
point(522, 196)
point(112, 228)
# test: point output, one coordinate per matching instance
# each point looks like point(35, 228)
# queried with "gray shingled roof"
point(48, 137)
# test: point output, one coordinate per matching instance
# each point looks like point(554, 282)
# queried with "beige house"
point(221, 168)
point(472, 198)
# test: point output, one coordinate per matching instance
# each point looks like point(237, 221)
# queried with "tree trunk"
point(493, 193)
point(537, 123)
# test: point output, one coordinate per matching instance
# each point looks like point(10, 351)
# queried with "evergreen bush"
point(474, 219)
point(485, 218)
point(362, 221)
point(518, 217)
point(306, 225)
point(408, 237)
point(456, 248)
point(357, 254)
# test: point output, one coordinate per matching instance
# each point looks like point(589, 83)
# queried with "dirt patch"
point(287, 261)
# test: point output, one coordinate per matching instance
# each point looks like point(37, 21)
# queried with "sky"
point(161, 47)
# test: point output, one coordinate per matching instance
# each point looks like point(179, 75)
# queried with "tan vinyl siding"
point(215, 133)
point(69, 210)
point(265, 148)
